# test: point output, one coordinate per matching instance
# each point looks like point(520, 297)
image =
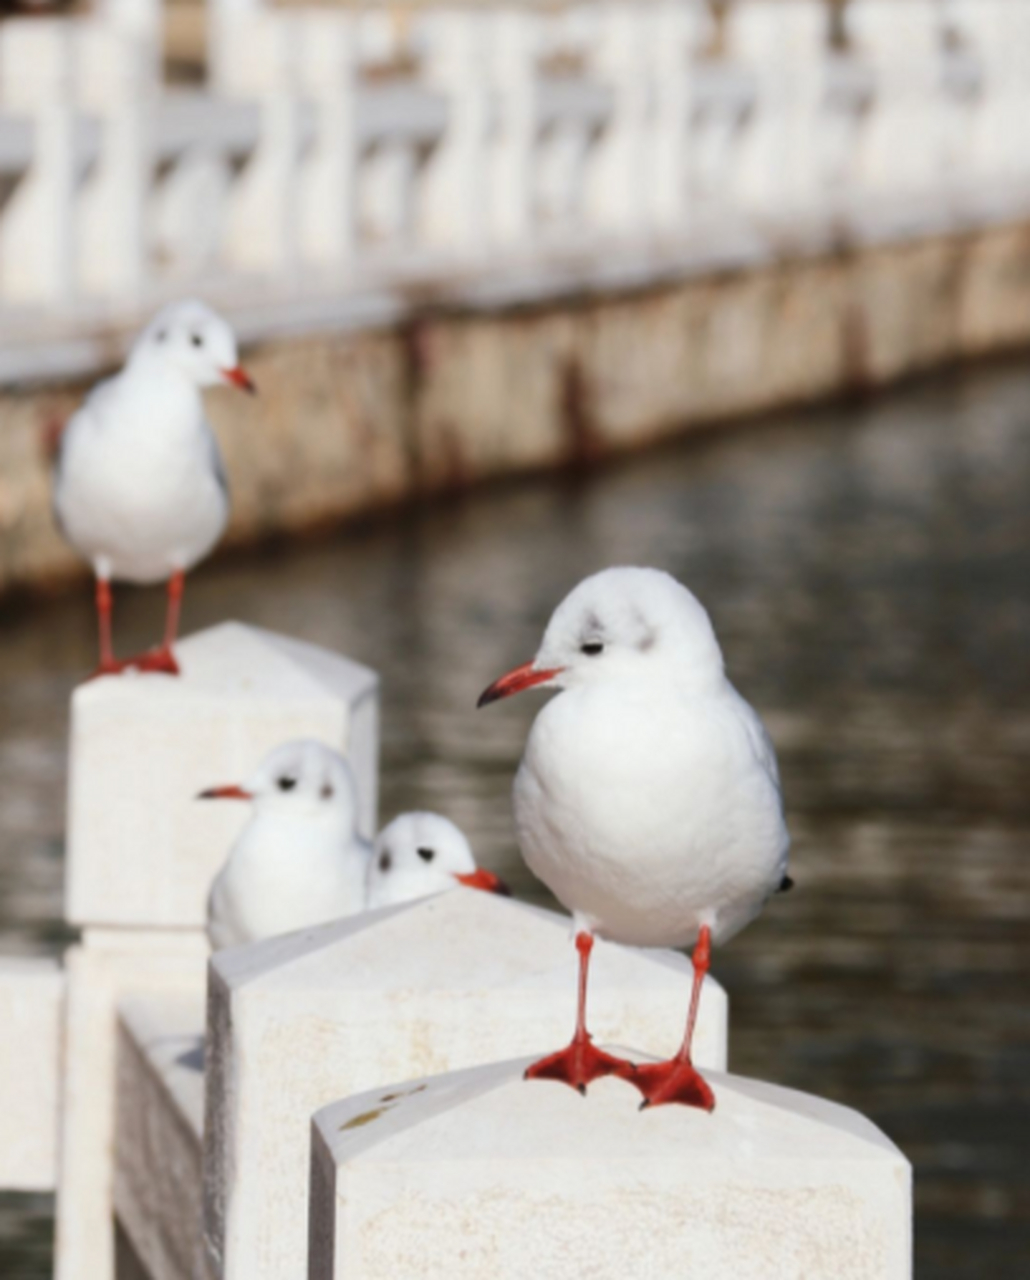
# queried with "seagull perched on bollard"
point(299, 860)
point(648, 797)
point(422, 853)
point(139, 485)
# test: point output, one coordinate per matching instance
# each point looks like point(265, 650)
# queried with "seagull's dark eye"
point(592, 648)
point(427, 855)
point(385, 861)
point(286, 783)
point(197, 339)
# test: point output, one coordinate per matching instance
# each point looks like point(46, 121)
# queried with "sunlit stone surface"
point(141, 849)
point(479, 1175)
point(31, 1004)
point(449, 982)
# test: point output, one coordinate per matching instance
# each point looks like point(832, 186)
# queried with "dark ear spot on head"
point(197, 339)
point(327, 792)
point(385, 861)
point(647, 641)
point(427, 855)
point(160, 335)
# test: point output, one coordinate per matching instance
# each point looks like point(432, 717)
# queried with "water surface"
point(867, 569)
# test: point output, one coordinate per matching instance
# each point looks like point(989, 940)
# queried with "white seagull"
point(422, 853)
point(648, 797)
point(139, 485)
point(298, 861)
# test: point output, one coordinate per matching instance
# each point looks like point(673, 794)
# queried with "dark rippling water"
point(868, 571)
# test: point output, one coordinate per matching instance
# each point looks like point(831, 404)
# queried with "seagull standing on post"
point(648, 797)
point(139, 485)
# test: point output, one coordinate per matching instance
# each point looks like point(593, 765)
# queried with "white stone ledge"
point(31, 1012)
point(480, 1175)
point(159, 1131)
point(432, 986)
point(142, 851)
point(93, 338)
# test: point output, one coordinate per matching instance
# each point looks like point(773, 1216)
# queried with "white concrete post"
point(453, 189)
point(38, 227)
point(673, 26)
point(724, 107)
point(109, 965)
point(514, 52)
point(31, 1009)
point(1000, 33)
point(902, 140)
point(328, 199)
point(263, 226)
point(617, 171)
point(777, 174)
point(448, 982)
point(141, 850)
point(481, 1175)
point(120, 81)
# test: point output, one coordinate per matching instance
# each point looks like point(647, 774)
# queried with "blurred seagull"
point(648, 797)
point(299, 860)
point(422, 853)
point(139, 486)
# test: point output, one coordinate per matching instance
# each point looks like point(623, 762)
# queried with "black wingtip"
point(786, 884)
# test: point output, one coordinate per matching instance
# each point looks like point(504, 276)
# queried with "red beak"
point(225, 793)
point(239, 377)
point(482, 879)
point(524, 677)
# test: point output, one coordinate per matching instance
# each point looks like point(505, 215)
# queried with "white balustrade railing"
point(332, 147)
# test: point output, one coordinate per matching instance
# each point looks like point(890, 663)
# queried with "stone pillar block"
point(159, 1122)
point(110, 965)
point(141, 850)
point(431, 986)
point(31, 1006)
point(479, 1175)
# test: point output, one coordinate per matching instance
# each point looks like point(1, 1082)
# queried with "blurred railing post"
point(670, 40)
point(455, 208)
point(38, 225)
point(119, 80)
point(263, 217)
point(328, 198)
point(778, 174)
point(616, 197)
point(514, 61)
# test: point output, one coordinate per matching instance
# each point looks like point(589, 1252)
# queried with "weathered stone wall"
point(350, 422)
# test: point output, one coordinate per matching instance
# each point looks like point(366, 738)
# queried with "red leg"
point(677, 1080)
point(162, 658)
point(109, 666)
point(580, 1063)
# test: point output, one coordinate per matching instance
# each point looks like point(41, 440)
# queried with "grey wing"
point(217, 464)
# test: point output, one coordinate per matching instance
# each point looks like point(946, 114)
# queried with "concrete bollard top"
point(480, 1175)
point(141, 850)
point(430, 986)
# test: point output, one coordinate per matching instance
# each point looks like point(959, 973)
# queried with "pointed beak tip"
point(224, 793)
point(239, 377)
point(527, 676)
point(484, 880)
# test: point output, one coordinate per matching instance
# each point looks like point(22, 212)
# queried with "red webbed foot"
point(674, 1081)
point(161, 660)
point(579, 1064)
